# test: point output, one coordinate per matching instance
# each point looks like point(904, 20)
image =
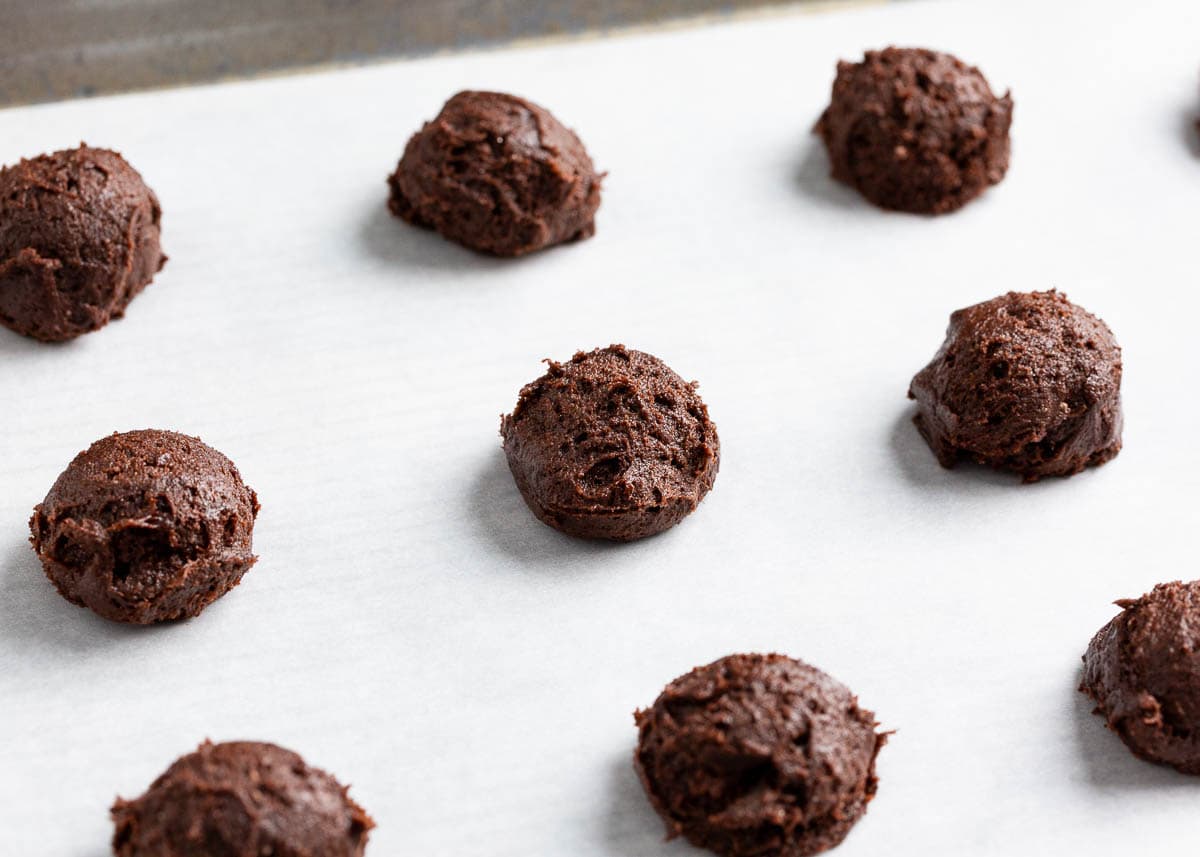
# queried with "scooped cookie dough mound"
point(758, 756)
point(1026, 382)
point(1143, 671)
point(146, 526)
point(497, 174)
point(916, 130)
point(79, 239)
point(611, 445)
point(241, 799)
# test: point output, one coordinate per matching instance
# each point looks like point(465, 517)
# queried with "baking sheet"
point(413, 629)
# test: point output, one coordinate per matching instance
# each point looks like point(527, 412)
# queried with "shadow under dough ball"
point(79, 239)
point(499, 175)
point(241, 799)
point(758, 756)
point(611, 445)
point(916, 130)
point(146, 526)
point(1143, 671)
point(1026, 382)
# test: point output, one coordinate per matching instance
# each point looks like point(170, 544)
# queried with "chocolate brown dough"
point(146, 526)
point(916, 130)
point(611, 445)
point(758, 756)
point(497, 174)
point(1029, 383)
point(241, 799)
point(79, 234)
point(1143, 671)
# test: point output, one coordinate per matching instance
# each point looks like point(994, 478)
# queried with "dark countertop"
point(55, 49)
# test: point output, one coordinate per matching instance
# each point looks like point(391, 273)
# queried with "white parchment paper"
point(472, 673)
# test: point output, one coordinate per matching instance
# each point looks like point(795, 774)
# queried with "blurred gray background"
point(54, 49)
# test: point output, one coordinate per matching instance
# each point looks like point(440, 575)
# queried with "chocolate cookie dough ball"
point(146, 526)
point(611, 445)
point(498, 174)
point(758, 756)
point(78, 240)
point(916, 130)
point(1143, 671)
point(241, 799)
point(1028, 383)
